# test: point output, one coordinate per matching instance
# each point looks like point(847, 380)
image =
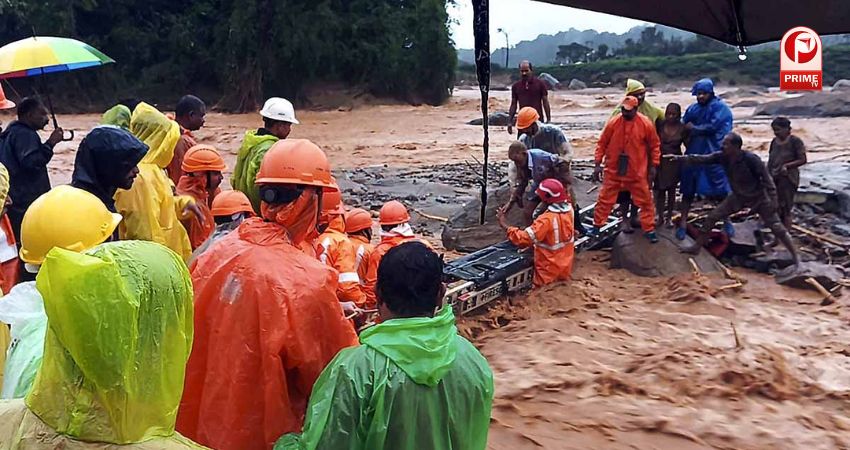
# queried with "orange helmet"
point(357, 220)
point(5, 103)
point(394, 213)
point(296, 161)
point(228, 203)
point(332, 203)
point(202, 158)
point(526, 117)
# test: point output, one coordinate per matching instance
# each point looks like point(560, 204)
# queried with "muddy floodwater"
point(610, 360)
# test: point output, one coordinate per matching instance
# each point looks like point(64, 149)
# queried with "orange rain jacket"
point(196, 187)
point(552, 235)
point(10, 268)
point(638, 139)
point(267, 322)
point(363, 251)
point(336, 250)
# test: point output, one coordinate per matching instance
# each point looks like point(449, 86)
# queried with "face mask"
point(299, 217)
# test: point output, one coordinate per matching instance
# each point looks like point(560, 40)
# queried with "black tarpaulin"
point(735, 22)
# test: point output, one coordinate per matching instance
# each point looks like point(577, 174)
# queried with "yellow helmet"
point(65, 217)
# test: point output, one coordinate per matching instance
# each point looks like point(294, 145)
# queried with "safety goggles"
point(280, 194)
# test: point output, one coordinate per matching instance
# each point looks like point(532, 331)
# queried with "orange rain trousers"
point(638, 140)
point(267, 322)
point(552, 235)
point(335, 249)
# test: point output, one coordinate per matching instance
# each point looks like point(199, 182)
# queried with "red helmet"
point(551, 190)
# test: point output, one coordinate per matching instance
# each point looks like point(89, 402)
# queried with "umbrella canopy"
point(736, 22)
point(44, 54)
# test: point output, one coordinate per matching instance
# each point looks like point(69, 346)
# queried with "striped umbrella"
point(40, 55)
point(44, 54)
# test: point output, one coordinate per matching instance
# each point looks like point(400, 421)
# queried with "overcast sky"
point(526, 19)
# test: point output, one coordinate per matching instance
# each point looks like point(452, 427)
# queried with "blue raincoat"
point(711, 123)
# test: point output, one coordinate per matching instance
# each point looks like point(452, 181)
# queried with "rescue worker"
point(65, 217)
point(707, 121)
point(395, 230)
point(534, 166)
point(334, 249)
point(631, 152)
point(545, 137)
point(637, 90)
point(278, 118)
point(107, 160)
point(150, 209)
point(656, 115)
point(229, 209)
point(190, 113)
point(26, 158)
point(267, 319)
point(358, 227)
point(114, 355)
point(202, 167)
point(9, 263)
point(414, 383)
point(552, 235)
point(752, 187)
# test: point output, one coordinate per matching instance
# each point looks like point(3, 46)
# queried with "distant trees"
point(651, 43)
point(245, 50)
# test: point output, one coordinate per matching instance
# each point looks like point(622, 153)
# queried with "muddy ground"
point(609, 360)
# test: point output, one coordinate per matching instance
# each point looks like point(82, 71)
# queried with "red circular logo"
point(801, 47)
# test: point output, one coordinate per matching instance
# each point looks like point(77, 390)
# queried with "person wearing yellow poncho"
point(150, 208)
point(9, 266)
point(637, 90)
point(119, 334)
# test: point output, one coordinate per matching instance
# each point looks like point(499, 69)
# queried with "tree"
point(572, 53)
point(602, 51)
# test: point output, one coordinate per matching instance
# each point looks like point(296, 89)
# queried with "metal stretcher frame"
point(480, 278)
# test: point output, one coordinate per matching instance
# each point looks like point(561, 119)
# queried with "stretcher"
point(482, 277)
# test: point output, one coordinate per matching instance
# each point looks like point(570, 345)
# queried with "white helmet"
point(279, 109)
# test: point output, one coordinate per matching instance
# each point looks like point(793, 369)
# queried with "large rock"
point(841, 85)
point(827, 275)
point(636, 254)
point(551, 82)
point(497, 119)
point(832, 177)
point(463, 233)
point(817, 104)
point(576, 84)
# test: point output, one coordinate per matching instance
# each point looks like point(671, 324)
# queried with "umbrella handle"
point(69, 138)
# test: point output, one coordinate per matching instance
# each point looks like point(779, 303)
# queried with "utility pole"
point(507, 47)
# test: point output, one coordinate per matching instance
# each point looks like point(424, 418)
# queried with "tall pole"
point(481, 28)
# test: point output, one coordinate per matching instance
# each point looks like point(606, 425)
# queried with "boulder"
point(463, 233)
point(551, 82)
point(576, 84)
point(497, 119)
point(827, 275)
point(746, 104)
point(816, 104)
point(832, 177)
point(669, 88)
point(841, 85)
point(636, 254)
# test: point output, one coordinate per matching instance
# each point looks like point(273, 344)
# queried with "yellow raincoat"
point(150, 208)
point(647, 108)
point(119, 335)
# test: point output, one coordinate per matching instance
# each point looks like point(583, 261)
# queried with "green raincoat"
point(413, 384)
point(248, 164)
point(119, 335)
point(647, 108)
point(118, 115)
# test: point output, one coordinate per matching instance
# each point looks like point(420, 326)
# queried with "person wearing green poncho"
point(413, 383)
point(119, 334)
point(278, 117)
